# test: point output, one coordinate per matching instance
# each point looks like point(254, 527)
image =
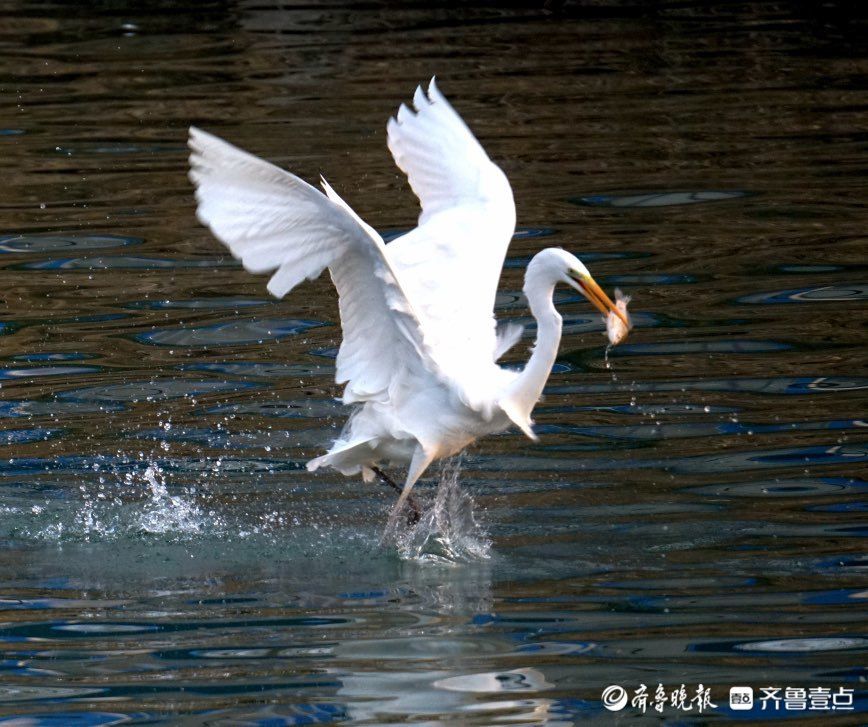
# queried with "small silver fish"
point(616, 329)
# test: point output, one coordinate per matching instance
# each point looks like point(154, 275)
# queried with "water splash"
point(448, 531)
point(608, 363)
point(138, 504)
point(166, 513)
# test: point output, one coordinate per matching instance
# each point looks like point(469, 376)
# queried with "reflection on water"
point(658, 199)
point(694, 510)
point(253, 330)
point(829, 293)
point(62, 243)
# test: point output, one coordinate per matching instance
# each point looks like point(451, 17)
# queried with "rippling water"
point(694, 513)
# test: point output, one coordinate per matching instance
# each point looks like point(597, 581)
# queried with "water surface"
point(694, 512)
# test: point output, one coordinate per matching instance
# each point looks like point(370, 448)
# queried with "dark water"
point(694, 513)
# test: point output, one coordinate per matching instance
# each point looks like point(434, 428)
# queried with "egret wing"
point(444, 163)
point(273, 221)
point(450, 264)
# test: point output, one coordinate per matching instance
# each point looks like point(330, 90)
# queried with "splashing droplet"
point(608, 363)
point(448, 532)
point(166, 513)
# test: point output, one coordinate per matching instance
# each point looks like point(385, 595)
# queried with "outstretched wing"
point(450, 264)
point(273, 221)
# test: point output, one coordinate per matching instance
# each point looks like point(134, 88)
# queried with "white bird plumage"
point(420, 347)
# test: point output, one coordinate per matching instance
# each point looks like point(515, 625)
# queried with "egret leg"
point(416, 512)
point(418, 465)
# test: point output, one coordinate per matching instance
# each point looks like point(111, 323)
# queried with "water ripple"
point(122, 262)
point(658, 199)
point(689, 347)
point(157, 389)
point(32, 408)
point(642, 432)
point(54, 243)
point(838, 293)
point(231, 333)
point(794, 386)
point(237, 440)
point(64, 718)
point(789, 487)
point(213, 303)
point(300, 409)
point(23, 436)
point(262, 369)
point(40, 371)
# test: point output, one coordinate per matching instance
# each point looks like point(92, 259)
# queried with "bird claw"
point(415, 512)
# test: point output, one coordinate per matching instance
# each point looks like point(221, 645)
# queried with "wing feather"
point(443, 161)
point(450, 264)
point(273, 221)
point(507, 336)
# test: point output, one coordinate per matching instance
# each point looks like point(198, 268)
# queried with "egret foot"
point(415, 513)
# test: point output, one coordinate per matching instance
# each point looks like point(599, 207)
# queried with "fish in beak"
point(617, 319)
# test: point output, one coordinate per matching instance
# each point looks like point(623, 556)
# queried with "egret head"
point(559, 266)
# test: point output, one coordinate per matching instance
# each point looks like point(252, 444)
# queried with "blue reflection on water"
point(63, 718)
point(649, 279)
point(658, 199)
point(283, 715)
point(269, 440)
point(119, 148)
point(681, 430)
point(733, 345)
point(123, 262)
point(262, 369)
point(304, 408)
point(33, 408)
point(795, 386)
point(331, 352)
point(215, 303)
point(86, 629)
point(646, 409)
point(814, 456)
point(40, 357)
point(33, 243)
point(23, 436)
point(39, 371)
point(121, 464)
point(784, 487)
point(521, 233)
point(156, 389)
point(230, 333)
point(838, 293)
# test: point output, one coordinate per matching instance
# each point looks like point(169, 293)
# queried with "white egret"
point(420, 347)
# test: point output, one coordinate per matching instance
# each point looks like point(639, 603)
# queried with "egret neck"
point(525, 391)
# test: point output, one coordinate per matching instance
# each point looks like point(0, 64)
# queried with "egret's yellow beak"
point(588, 287)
